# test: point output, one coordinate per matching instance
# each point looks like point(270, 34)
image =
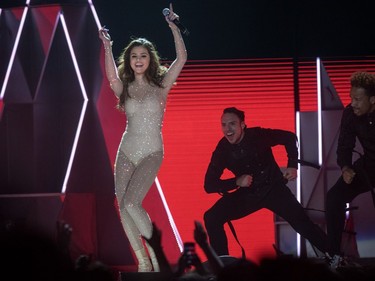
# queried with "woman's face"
point(139, 59)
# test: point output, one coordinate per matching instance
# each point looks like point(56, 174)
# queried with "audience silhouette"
point(28, 254)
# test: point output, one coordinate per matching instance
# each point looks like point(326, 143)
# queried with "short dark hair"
point(239, 113)
point(365, 80)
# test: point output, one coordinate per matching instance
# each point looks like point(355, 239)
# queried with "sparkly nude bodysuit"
point(139, 157)
point(140, 153)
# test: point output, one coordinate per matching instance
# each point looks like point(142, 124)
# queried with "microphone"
point(182, 28)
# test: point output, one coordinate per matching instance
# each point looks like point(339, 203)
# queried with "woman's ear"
point(243, 125)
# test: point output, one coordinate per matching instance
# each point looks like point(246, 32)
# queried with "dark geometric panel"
point(53, 143)
point(30, 54)
point(58, 106)
point(91, 170)
point(38, 213)
point(87, 46)
point(17, 88)
point(59, 81)
point(17, 142)
point(309, 137)
point(8, 31)
point(330, 99)
point(44, 21)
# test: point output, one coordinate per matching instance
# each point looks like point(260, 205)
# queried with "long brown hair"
point(154, 73)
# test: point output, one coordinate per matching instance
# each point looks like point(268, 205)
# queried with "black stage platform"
point(158, 276)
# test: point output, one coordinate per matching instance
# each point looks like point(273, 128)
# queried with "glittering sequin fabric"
point(139, 157)
point(144, 112)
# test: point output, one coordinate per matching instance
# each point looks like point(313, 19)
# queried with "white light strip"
point(347, 213)
point(298, 187)
point(169, 214)
point(319, 92)
point(298, 133)
point(13, 55)
point(85, 101)
point(95, 14)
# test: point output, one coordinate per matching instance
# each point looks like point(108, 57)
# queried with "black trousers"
point(243, 202)
point(337, 198)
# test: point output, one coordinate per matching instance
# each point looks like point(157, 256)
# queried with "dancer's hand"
point(348, 174)
point(244, 181)
point(290, 174)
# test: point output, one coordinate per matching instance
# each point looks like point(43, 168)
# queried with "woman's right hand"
point(104, 36)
